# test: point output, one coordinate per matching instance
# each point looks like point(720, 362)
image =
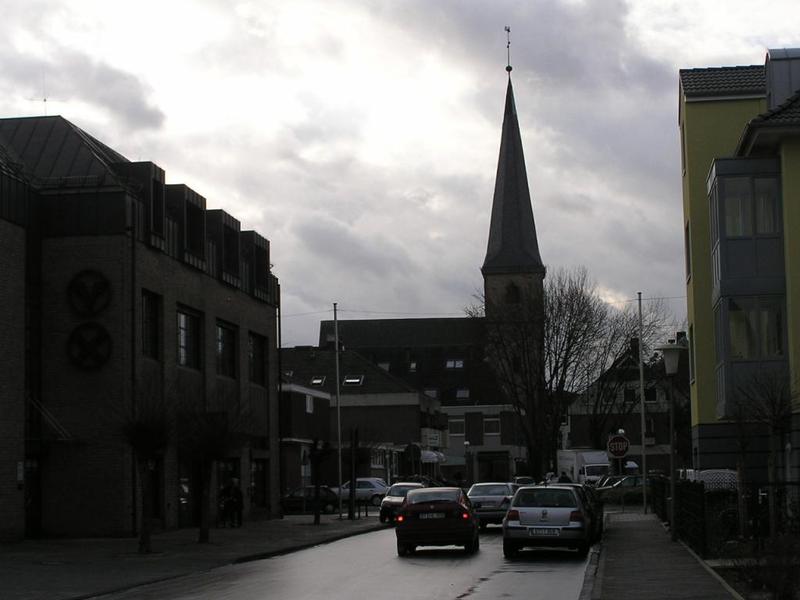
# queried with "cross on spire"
point(508, 49)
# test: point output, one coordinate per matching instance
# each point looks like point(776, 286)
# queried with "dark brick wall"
point(88, 481)
point(12, 378)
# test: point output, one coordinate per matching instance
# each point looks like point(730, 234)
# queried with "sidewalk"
point(69, 569)
point(638, 561)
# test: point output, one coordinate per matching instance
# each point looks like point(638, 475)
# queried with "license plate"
point(543, 531)
point(431, 515)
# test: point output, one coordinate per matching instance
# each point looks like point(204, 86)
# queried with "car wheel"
point(375, 501)
point(583, 549)
point(484, 524)
point(382, 518)
point(509, 549)
point(402, 549)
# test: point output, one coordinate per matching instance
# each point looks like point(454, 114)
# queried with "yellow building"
point(740, 156)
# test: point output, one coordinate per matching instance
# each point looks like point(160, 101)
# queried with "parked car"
point(593, 504)
point(626, 490)
point(552, 515)
point(302, 500)
point(368, 489)
point(390, 505)
point(491, 501)
point(440, 516)
point(524, 480)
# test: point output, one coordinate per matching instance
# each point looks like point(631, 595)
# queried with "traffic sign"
point(618, 446)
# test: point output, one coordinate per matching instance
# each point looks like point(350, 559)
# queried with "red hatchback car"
point(440, 516)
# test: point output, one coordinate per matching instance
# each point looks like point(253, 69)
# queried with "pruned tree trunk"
point(145, 527)
point(205, 503)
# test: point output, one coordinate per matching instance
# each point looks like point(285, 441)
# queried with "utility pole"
point(641, 404)
point(338, 408)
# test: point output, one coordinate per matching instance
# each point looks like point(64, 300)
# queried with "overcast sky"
point(361, 138)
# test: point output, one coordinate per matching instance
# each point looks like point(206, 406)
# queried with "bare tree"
point(765, 398)
point(149, 430)
point(206, 437)
point(544, 360)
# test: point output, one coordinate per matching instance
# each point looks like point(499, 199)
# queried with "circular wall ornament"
point(89, 293)
point(89, 346)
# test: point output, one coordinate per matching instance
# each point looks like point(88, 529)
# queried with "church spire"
point(512, 247)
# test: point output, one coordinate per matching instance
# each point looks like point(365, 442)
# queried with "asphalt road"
point(366, 567)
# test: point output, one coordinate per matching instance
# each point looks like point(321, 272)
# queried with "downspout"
point(132, 233)
point(275, 464)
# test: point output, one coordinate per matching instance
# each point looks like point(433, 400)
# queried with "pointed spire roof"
point(512, 247)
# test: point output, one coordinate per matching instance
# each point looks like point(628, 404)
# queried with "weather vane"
point(508, 49)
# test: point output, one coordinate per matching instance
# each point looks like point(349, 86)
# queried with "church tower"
point(513, 273)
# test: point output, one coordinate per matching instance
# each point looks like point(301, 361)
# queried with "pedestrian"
point(237, 503)
point(564, 478)
point(225, 501)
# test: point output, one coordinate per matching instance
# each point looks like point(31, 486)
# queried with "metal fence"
point(711, 519)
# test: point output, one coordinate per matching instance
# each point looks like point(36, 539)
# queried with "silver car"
point(491, 501)
point(550, 515)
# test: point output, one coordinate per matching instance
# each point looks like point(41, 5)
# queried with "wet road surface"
point(366, 567)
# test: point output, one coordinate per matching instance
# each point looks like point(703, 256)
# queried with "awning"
point(431, 456)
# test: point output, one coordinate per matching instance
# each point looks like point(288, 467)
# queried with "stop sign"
point(618, 446)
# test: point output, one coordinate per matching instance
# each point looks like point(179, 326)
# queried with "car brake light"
point(512, 515)
point(465, 515)
point(576, 515)
point(400, 518)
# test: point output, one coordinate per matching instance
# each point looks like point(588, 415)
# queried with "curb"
point(593, 580)
point(713, 573)
point(238, 560)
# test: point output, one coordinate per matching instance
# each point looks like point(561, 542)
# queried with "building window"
point(257, 357)
point(462, 394)
point(309, 404)
point(188, 339)
point(513, 295)
point(650, 395)
point(226, 349)
point(454, 363)
point(766, 208)
point(738, 202)
point(151, 324)
point(491, 426)
point(755, 327)
point(456, 426)
point(318, 380)
point(412, 366)
point(353, 380)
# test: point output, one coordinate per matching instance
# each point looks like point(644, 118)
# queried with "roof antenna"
point(44, 94)
point(508, 49)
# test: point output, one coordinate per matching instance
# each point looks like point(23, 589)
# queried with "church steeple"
point(512, 247)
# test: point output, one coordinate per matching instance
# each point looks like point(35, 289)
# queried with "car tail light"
point(512, 515)
point(465, 515)
point(400, 518)
point(576, 515)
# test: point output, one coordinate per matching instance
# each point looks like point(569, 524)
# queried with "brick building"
point(122, 292)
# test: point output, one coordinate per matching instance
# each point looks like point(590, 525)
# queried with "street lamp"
point(671, 353)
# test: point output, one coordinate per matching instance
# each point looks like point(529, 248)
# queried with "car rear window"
point(488, 490)
point(401, 490)
point(545, 498)
point(420, 496)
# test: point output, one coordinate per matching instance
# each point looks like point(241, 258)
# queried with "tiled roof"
point(787, 113)
point(723, 81)
point(408, 333)
point(52, 148)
